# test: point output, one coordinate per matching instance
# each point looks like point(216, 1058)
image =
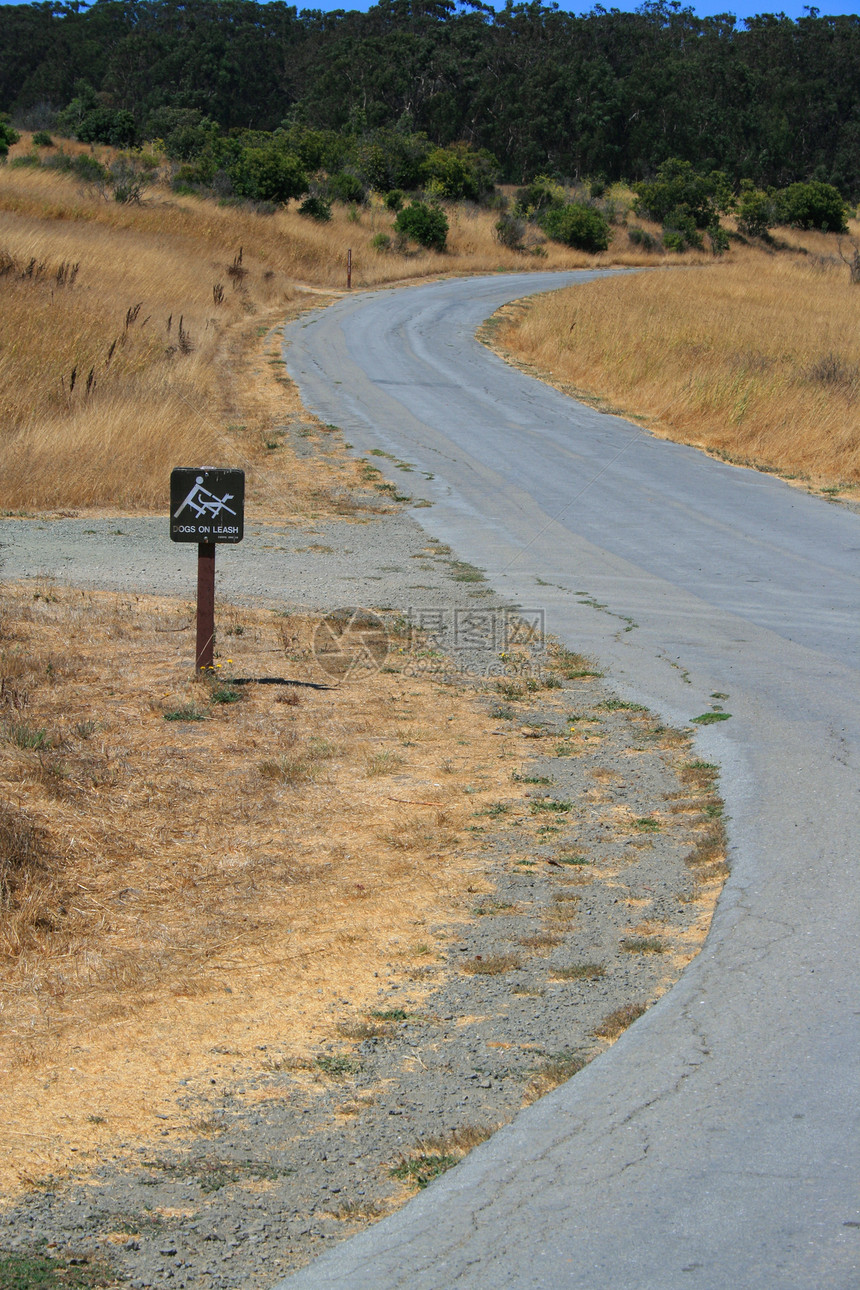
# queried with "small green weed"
point(382, 763)
point(26, 736)
point(421, 1170)
point(619, 705)
point(511, 690)
point(338, 1065)
point(492, 907)
point(578, 972)
point(573, 667)
point(36, 1271)
point(225, 693)
point(491, 964)
point(647, 825)
point(550, 804)
point(709, 718)
point(461, 571)
point(433, 1156)
point(643, 945)
point(187, 712)
point(211, 1173)
point(495, 809)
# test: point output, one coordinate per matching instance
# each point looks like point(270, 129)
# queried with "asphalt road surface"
point(716, 1144)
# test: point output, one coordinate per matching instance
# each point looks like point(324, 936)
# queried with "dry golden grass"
point(755, 357)
point(170, 907)
point(191, 899)
point(100, 392)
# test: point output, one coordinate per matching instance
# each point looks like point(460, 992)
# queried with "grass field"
point(755, 358)
point(122, 325)
point(127, 330)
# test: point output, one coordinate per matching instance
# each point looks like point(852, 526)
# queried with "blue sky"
point(791, 8)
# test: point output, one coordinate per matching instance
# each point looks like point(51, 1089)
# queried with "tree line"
point(607, 95)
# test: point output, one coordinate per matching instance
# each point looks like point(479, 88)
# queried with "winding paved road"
point(716, 1144)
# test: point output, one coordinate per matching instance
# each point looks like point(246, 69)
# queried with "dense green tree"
point(769, 99)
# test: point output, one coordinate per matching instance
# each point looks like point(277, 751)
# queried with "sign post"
point(207, 506)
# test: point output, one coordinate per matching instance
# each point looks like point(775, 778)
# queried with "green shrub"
point(41, 139)
point(642, 238)
point(679, 188)
point(674, 242)
point(755, 210)
point(381, 242)
point(184, 132)
point(316, 208)
point(426, 225)
point(459, 173)
point(577, 225)
point(719, 238)
point(114, 126)
point(268, 174)
point(680, 230)
point(540, 195)
point(811, 205)
point(510, 232)
point(394, 199)
point(346, 188)
point(8, 137)
point(88, 169)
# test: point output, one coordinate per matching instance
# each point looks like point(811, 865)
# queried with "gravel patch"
point(292, 1159)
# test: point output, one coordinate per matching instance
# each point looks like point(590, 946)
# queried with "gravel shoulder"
point(586, 908)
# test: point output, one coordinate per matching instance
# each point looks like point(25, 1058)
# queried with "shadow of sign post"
point(207, 506)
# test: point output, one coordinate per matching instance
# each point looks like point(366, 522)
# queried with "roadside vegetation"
point(140, 307)
point(755, 358)
point(125, 322)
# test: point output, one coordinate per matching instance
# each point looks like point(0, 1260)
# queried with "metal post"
point(205, 604)
point(349, 269)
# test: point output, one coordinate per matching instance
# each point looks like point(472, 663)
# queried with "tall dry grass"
point(95, 409)
point(755, 358)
